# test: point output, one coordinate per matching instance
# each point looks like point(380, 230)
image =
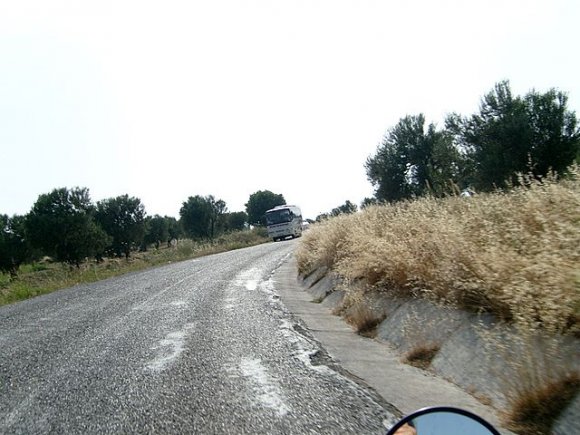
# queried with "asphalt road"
point(202, 346)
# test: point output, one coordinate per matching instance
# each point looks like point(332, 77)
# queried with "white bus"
point(284, 221)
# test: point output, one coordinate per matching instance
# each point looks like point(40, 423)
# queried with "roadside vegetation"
point(511, 249)
point(534, 411)
point(482, 215)
point(66, 239)
point(46, 275)
point(514, 254)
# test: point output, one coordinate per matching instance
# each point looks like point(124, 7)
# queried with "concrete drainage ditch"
point(484, 357)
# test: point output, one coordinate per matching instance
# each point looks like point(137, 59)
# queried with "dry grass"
point(513, 254)
point(535, 411)
point(364, 319)
point(531, 366)
point(421, 356)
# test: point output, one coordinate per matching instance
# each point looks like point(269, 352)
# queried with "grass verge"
point(513, 254)
point(41, 278)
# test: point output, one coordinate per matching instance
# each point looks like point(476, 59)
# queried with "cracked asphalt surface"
point(202, 346)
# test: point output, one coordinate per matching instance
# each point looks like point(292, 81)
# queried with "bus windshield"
point(278, 217)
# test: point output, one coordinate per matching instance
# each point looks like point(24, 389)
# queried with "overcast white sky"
point(169, 99)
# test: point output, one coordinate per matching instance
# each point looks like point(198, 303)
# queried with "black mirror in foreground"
point(442, 420)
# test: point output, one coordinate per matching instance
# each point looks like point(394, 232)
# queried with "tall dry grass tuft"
point(535, 411)
point(530, 367)
point(364, 319)
point(421, 356)
point(514, 254)
point(323, 244)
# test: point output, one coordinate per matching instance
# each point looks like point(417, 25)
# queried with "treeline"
point(68, 227)
point(346, 208)
point(509, 135)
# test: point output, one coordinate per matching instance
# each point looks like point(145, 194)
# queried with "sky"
point(166, 100)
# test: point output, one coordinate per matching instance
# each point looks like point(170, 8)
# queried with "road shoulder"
point(405, 387)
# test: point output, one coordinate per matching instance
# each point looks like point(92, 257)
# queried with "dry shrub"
point(421, 355)
point(514, 254)
point(364, 319)
point(525, 359)
point(360, 312)
point(535, 411)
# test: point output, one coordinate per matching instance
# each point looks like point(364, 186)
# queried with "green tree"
point(260, 202)
point(14, 248)
point(236, 221)
point(413, 161)
point(217, 221)
point(322, 217)
point(157, 230)
point(201, 217)
point(367, 202)
point(511, 134)
point(61, 224)
point(346, 208)
point(123, 218)
point(173, 228)
point(555, 132)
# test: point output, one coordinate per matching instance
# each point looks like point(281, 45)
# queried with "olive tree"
point(62, 225)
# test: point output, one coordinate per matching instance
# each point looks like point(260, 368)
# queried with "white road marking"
point(169, 349)
point(230, 303)
point(268, 392)
point(249, 279)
